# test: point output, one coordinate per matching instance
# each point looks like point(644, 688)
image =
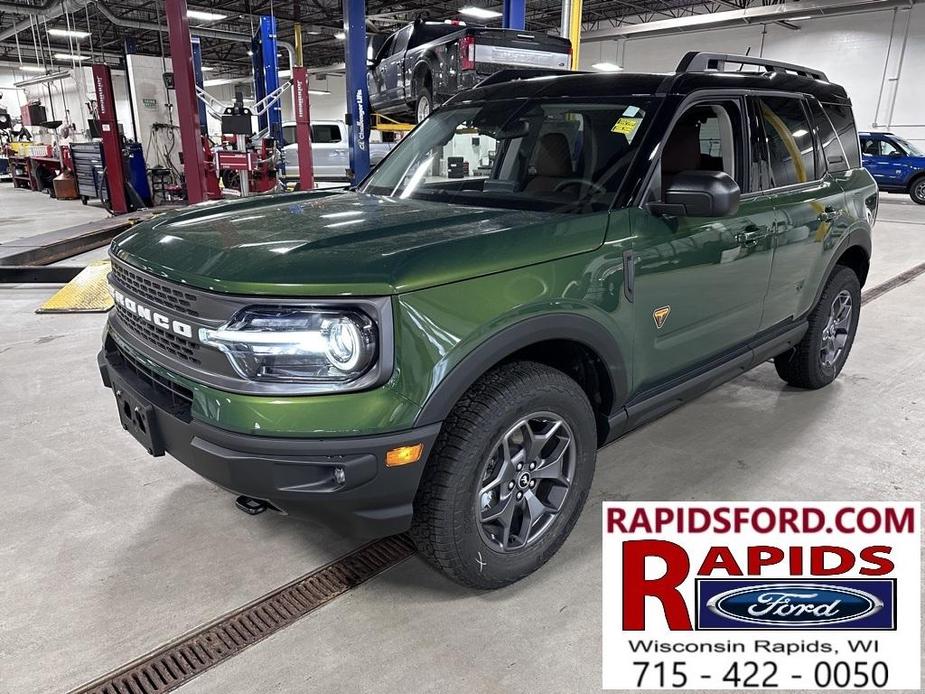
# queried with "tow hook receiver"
point(250, 506)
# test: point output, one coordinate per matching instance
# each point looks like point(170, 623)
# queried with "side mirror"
point(895, 153)
point(699, 194)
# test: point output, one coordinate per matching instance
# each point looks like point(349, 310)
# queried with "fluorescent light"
point(205, 16)
point(32, 68)
point(222, 80)
point(479, 12)
point(799, 19)
point(607, 67)
point(207, 69)
point(70, 56)
point(340, 36)
point(318, 92)
point(69, 33)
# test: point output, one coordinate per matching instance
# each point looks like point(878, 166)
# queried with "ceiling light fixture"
point(479, 12)
point(70, 56)
point(205, 16)
point(207, 69)
point(69, 33)
point(340, 36)
point(607, 67)
point(32, 68)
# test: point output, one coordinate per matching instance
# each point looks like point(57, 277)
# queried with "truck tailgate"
point(500, 48)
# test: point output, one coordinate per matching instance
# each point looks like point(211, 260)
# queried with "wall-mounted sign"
point(168, 80)
point(150, 104)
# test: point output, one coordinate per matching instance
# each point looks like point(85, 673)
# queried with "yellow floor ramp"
point(86, 293)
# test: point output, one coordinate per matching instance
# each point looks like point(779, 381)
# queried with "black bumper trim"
point(295, 476)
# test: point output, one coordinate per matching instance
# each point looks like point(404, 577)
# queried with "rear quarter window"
point(843, 121)
point(790, 142)
point(829, 154)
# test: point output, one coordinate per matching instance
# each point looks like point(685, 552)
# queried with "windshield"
point(910, 148)
point(517, 154)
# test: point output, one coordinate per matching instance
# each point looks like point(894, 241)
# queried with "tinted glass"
point(843, 121)
point(829, 153)
point(401, 40)
point(426, 32)
point(888, 149)
point(289, 134)
point(522, 154)
point(325, 133)
point(790, 140)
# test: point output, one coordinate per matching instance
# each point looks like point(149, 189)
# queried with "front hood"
point(347, 243)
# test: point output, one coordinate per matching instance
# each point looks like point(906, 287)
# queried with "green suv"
point(542, 265)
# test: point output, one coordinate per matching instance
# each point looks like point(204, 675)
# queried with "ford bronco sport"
point(539, 267)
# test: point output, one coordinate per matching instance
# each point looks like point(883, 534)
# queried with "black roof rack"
point(522, 74)
point(698, 61)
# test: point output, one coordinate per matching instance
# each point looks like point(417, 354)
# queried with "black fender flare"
point(857, 237)
point(530, 331)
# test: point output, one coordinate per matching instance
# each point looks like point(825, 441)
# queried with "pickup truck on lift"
point(425, 63)
point(330, 156)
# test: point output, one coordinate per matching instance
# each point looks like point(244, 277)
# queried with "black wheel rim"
point(837, 328)
point(525, 481)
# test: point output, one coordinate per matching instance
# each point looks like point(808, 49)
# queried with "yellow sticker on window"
point(626, 126)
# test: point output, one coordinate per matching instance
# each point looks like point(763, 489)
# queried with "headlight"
point(297, 345)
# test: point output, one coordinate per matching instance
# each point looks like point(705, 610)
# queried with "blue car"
point(897, 165)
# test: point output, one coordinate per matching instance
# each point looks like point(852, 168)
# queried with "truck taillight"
point(467, 53)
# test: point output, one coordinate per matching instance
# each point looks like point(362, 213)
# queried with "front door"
point(700, 282)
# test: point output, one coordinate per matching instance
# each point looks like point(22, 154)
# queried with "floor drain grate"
point(178, 662)
point(892, 283)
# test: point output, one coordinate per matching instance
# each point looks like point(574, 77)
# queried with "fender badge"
point(660, 315)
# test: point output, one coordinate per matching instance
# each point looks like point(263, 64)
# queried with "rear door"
point(329, 150)
point(701, 282)
point(809, 203)
point(393, 66)
point(378, 84)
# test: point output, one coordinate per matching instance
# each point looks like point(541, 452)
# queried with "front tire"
point(508, 476)
point(819, 357)
point(917, 190)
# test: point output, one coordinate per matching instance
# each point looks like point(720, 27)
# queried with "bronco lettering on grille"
point(160, 320)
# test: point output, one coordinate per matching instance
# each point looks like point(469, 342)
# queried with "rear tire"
point(819, 357)
point(917, 190)
point(519, 414)
point(424, 104)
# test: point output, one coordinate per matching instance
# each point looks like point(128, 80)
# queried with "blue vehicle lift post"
point(266, 77)
point(197, 76)
point(514, 14)
point(357, 89)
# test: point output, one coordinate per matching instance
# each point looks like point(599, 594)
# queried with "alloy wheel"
point(835, 333)
point(525, 481)
point(919, 190)
point(423, 108)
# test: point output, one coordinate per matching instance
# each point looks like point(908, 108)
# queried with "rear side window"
point(323, 134)
point(790, 140)
point(843, 121)
point(829, 153)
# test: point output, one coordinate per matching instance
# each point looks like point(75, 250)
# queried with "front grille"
point(177, 346)
point(175, 298)
point(180, 399)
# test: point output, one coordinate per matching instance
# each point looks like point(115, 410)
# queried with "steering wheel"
point(581, 181)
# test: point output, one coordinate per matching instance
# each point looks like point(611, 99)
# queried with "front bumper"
point(294, 476)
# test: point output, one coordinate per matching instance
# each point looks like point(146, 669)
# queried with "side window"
point(889, 149)
point(289, 134)
point(843, 122)
point(401, 40)
point(870, 147)
point(790, 140)
point(325, 134)
point(705, 138)
point(829, 153)
point(386, 49)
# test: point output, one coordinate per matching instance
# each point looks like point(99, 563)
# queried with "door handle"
point(829, 215)
point(749, 237)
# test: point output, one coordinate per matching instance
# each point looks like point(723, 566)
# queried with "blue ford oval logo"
point(794, 604)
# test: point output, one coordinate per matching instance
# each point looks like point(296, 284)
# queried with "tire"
point(917, 190)
point(816, 360)
point(424, 104)
point(447, 527)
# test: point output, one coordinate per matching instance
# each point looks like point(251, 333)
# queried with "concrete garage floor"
point(26, 213)
point(108, 553)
